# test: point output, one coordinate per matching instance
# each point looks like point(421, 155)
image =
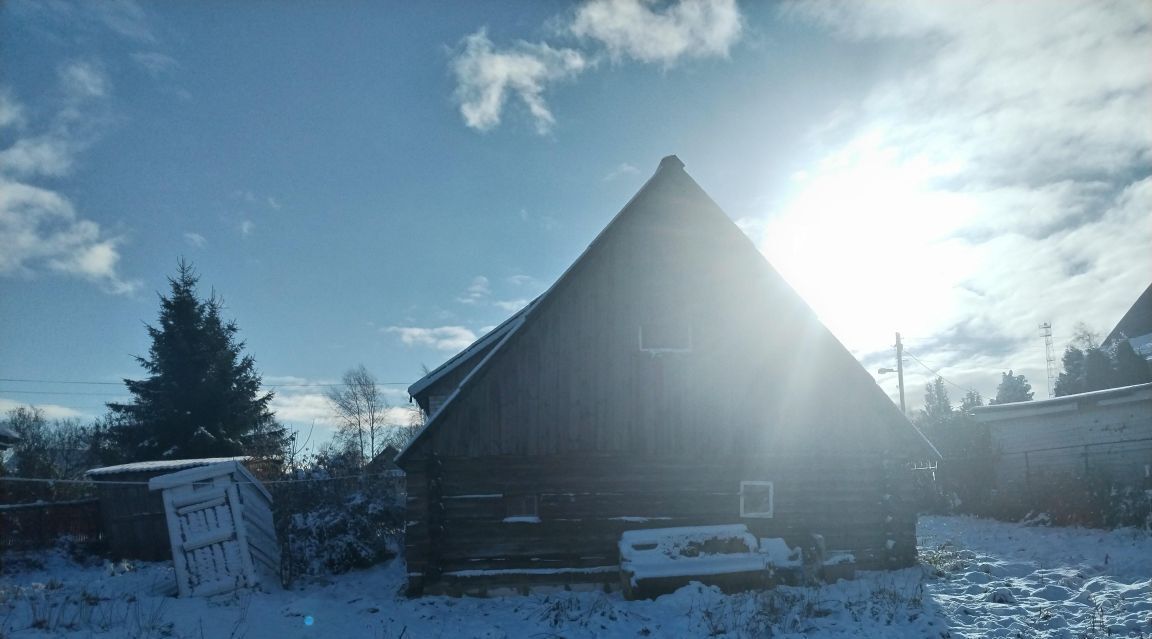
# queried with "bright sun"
point(868, 246)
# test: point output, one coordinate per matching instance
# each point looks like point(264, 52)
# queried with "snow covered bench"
point(659, 560)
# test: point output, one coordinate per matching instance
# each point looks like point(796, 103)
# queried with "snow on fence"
point(220, 528)
point(39, 525)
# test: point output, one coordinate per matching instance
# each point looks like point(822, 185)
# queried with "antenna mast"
point(1049, 359)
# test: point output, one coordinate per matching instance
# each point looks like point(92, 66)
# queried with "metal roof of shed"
point(165, 465)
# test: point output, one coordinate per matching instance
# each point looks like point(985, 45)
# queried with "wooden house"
point(670, 377)
point(133, 518)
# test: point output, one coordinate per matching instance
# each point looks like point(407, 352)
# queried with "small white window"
point(666, 336)
point(521, 509)
point(756, 499)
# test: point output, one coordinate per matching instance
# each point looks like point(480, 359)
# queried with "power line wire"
point(937, 373)
point(40, 392)
point(39, 480)
point(62, 381)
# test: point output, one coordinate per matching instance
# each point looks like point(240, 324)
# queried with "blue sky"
point(377, 183)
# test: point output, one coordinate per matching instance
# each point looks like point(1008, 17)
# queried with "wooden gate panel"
point(219, 519)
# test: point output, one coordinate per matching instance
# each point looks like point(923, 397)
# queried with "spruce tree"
point(937, 409)
point(1098, 372)
point(1012, 389)
point(1071, 379)
point(202, 396)
point(972, 399)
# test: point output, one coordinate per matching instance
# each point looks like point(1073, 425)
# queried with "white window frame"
point(744, 512)
point(521, 505)
point(640, 343)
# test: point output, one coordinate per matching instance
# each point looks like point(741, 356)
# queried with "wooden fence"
point(39, 525)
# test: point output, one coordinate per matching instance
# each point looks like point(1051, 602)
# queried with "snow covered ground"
point(980, 578)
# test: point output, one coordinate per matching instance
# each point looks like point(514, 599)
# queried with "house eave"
point(424, 383)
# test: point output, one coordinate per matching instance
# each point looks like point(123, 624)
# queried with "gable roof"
point(687, 197)
point(1137, 322)
point(465, 356)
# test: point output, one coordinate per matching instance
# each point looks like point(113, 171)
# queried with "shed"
point(669, 378)
point(220, 528)
point(1056, 449)
point(132, 517)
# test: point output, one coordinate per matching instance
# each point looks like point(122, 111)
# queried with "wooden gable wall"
point(762, 374)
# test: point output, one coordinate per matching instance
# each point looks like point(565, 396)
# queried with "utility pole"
point(900, 371)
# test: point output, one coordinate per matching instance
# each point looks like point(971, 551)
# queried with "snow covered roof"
point(168, 465)
point(997, 412)
point(466, 354)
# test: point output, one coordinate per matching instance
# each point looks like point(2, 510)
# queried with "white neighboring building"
point(1068, 442)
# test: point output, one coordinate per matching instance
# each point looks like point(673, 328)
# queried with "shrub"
point(330, 524)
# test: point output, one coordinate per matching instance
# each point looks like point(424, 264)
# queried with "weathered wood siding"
point(586, 502)
point(133, 518)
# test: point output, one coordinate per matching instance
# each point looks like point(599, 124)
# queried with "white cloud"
point(486, 76)
point(51, 411)
point(247, 227)
point(478, 291)
point(522, 280)
point(623, 169)
point(125, 17)
point(154, 62)
point(40, 228)
point(46, 155)
point(637, 29)
point(1021, 91)
point(1000, 182)
point(445, 338)
point(301, 406)
point(195, 239)
point(11, 111)
point(512, 305)
point(84, 79)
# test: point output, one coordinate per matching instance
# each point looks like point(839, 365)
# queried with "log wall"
point(457, 533)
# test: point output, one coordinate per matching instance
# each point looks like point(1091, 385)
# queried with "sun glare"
point(867, 243)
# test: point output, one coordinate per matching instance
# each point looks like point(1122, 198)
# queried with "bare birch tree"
point(359, 409)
